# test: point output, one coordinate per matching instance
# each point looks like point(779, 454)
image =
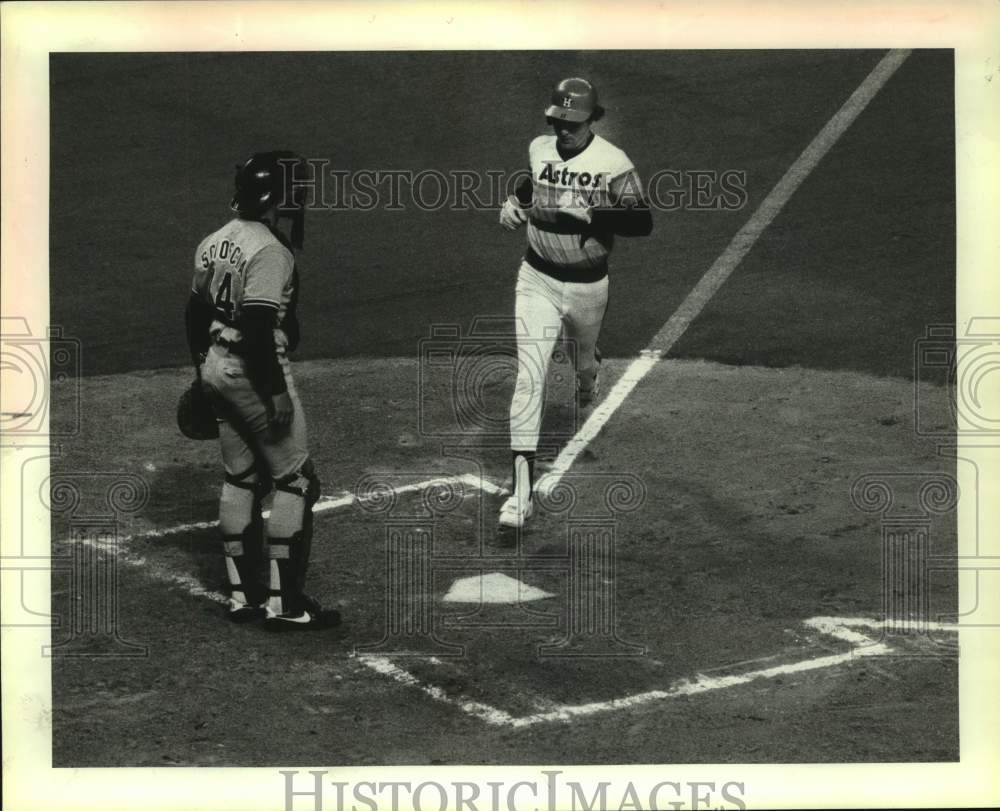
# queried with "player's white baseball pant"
point(544, 308)
point(245, 424)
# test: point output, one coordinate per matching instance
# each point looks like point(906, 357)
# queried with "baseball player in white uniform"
point(241, 324)
point(582, 192)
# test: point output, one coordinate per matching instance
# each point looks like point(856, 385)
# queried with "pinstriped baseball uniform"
point(578, 183)
point(562, 285)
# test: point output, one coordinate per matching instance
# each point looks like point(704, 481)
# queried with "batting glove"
point(512, 216)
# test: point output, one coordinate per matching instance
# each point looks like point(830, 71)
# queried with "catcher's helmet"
point(574, 100)
point(267, 180)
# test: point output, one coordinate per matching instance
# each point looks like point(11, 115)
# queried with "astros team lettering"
point(568, 178)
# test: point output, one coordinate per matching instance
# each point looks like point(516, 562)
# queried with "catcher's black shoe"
point(240, 612)
point(311, 617)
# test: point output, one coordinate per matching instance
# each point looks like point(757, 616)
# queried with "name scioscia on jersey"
point(572, 188)
point(243, 263)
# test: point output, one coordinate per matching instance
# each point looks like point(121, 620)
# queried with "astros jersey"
point(579, 183)
point(244, 263)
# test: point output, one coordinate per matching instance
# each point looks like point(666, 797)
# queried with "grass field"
point(743, 445)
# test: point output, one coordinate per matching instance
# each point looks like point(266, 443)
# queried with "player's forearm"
point(524, 191)
point(629, 221)
point(263, 370)
point(290, 322)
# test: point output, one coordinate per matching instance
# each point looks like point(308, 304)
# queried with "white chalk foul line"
point(337, 502)
point(491, 715)
point(182, 581)
point(724, 266)
point(193, 587)
point(840, 628)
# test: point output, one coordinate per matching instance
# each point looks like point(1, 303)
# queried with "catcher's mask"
point(269, 180)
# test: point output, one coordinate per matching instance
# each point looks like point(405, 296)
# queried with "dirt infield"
point(716, 575)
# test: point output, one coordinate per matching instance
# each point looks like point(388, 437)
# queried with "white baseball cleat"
point(518, 508)
point(515, 511)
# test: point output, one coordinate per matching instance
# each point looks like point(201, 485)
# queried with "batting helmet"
point(574, 100)
point(272, 179)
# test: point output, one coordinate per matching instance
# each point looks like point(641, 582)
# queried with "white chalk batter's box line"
point(473, 484)
point(839, 628)
point(843, 629)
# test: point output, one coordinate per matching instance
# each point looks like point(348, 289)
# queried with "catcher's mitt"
point(195, 416)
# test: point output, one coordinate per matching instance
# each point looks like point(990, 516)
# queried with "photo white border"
point(30, 31)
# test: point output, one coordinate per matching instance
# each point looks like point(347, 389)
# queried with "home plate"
point(493, 588)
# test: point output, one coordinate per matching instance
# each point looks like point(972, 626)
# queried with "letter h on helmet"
point(574, 100)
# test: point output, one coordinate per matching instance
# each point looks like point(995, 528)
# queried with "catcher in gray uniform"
point(241, 324)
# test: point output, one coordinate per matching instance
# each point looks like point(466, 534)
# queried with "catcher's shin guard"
point(242, 527)
point(290, 540)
